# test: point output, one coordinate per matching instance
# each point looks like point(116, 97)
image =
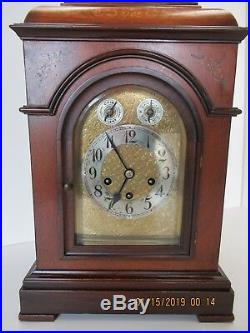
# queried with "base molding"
point(216, 318)
point(45, 294)
point(37, 317)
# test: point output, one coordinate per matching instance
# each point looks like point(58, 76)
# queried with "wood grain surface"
point(127, 14)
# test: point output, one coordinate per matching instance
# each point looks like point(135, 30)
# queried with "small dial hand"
point(110, 112)
point(150, 111)
point(116, 150)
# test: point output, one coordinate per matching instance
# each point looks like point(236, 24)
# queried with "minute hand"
point(116, 150)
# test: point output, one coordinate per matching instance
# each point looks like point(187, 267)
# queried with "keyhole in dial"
point(151, 181)
point(129, 195)
point(107, 181)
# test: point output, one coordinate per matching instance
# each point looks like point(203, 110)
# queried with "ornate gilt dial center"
point(142, 166)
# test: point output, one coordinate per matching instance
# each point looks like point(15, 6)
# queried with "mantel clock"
point(129, 108)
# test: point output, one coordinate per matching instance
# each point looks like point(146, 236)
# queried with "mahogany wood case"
point(74, 52)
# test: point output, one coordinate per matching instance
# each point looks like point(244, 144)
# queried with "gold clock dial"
point(134, 218)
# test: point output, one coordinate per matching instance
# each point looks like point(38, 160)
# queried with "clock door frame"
point(75, 111)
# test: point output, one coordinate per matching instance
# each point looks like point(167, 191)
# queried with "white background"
point(17, 196)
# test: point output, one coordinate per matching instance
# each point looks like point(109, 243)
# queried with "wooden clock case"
point(73, 53)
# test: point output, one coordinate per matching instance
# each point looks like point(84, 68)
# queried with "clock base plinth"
point(37, 317)
point(215, 318)
point(47, 293)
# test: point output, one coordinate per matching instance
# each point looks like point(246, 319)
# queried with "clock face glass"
point(130, 146)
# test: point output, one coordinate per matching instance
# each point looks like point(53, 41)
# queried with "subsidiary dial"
point(150, 111)
point(110, 112)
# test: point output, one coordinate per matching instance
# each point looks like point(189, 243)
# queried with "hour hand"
point(129, 174)
point(117, 195)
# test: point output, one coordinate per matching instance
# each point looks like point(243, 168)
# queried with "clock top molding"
point(125, 20)
point(144, 14)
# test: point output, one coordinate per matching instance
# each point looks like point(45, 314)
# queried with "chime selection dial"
point(129, 170)
point(110, 111)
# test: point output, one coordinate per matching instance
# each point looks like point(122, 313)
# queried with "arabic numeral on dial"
point(97, 155)
point(130, 136)
point(148, 142)
point(129, 209)
point(98, 191)
point(111, 202)
point(92, 172)
point(148, 203)
point(162, 154)
point(160, 192)
point(166, 173)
